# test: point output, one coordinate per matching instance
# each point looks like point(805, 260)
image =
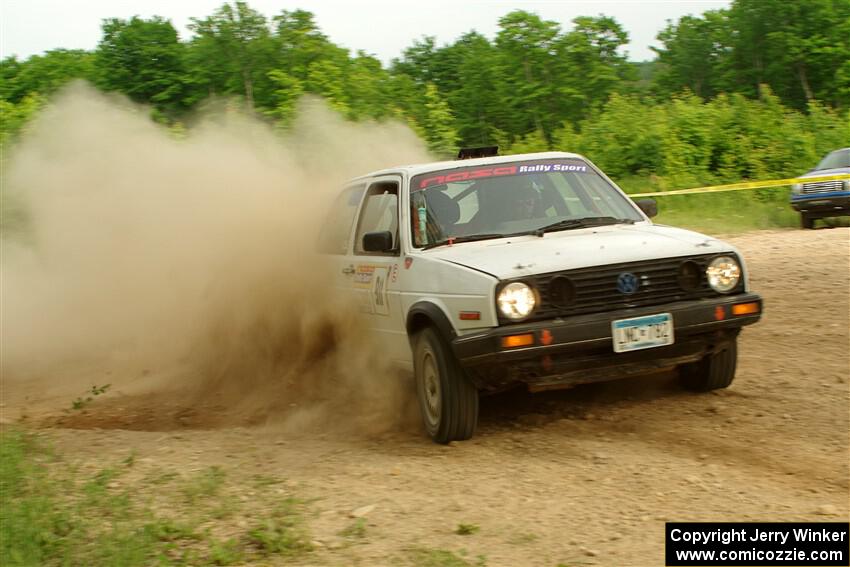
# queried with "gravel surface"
point(580, 477)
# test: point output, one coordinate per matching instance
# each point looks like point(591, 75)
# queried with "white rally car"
point(532, 269)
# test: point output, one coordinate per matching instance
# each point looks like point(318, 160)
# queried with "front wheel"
point(807, 221)
point(447, 399)
point(713, 372)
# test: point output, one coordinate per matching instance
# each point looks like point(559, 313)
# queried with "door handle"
point(348, 271)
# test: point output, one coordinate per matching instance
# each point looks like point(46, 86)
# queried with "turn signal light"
point(513, 341)
point(745, 309)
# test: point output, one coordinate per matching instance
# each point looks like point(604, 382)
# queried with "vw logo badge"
point(627, 283)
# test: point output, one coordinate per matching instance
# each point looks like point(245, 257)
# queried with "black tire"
point(807, 221)
point(447, 399)
point(713, 372)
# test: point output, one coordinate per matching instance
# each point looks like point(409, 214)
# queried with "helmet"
point(525, 201)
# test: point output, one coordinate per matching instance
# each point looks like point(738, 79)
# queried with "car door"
point(337, 233)
point(374, 275)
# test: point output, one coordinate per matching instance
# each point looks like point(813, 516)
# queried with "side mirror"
point(648, 206)
point(381, 241)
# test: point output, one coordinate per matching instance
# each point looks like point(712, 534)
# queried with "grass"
point(727, 212)
point(282, 532)
point(55, 513)
point(93, 392)
point(734, 211)
point(205, 485)
point(161, 477)
point(356, 530)
point(261, 480)
point(467, 529)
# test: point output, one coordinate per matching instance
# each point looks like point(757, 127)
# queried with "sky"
point(383, 28)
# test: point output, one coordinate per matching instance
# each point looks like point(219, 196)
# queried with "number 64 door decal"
point(380, 278)
point(373, 281)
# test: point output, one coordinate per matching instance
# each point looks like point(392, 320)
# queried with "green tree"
point(474, 95)
point(437, 128)
point(14, 116)
point(417, 61)
point(326, 79)
point(791, 46)
point(800, 49)
point(299, 43)
point(625, 136)
point(528, 88)
point(232, 53)
point(367, 86)
point(694, 54)
point(287, 91)
point(44, 74)
point(591, 66)
point(144, 60)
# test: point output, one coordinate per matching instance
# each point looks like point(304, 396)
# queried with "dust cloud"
point(181, 269)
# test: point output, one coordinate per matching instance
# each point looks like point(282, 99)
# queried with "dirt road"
point(580, 477)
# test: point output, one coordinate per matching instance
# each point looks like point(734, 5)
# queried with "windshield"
point(840, 158)
point(472, 203)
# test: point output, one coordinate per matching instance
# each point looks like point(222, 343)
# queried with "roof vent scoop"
point(484, 151)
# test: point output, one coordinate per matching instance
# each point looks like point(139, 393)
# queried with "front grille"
point(822, 187)
point(594, 290)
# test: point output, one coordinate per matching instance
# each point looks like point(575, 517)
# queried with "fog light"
point(513, 341)
point(745, 308)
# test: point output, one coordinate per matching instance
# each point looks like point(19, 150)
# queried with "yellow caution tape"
point(742, 186)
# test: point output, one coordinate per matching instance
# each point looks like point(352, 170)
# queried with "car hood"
point(826, 172)
point(514, 257)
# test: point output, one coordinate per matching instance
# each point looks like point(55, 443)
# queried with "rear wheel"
point(447, 399)
point(715, 371)
point(807, 221)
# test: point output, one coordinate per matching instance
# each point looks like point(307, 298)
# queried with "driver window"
point(336, 232)
point(379, 213)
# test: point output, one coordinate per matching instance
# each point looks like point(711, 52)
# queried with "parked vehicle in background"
point(821, 199)
point(536, 270)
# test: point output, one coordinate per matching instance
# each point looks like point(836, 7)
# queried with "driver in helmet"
point(525, 202)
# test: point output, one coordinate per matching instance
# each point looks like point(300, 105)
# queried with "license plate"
point(639, 333)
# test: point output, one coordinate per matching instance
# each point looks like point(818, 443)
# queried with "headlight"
point(516, 300)
point(796, 188)
point(723, 274)
point(847, 184)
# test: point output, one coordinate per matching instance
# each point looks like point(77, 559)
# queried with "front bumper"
point(826, 204)
point(579, 349)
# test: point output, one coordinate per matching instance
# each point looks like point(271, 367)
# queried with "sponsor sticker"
point(547, 167)
point(467, 175)
point(363, 275)
point(454, 176)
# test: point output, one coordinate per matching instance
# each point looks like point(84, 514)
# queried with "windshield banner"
point(473, 173)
